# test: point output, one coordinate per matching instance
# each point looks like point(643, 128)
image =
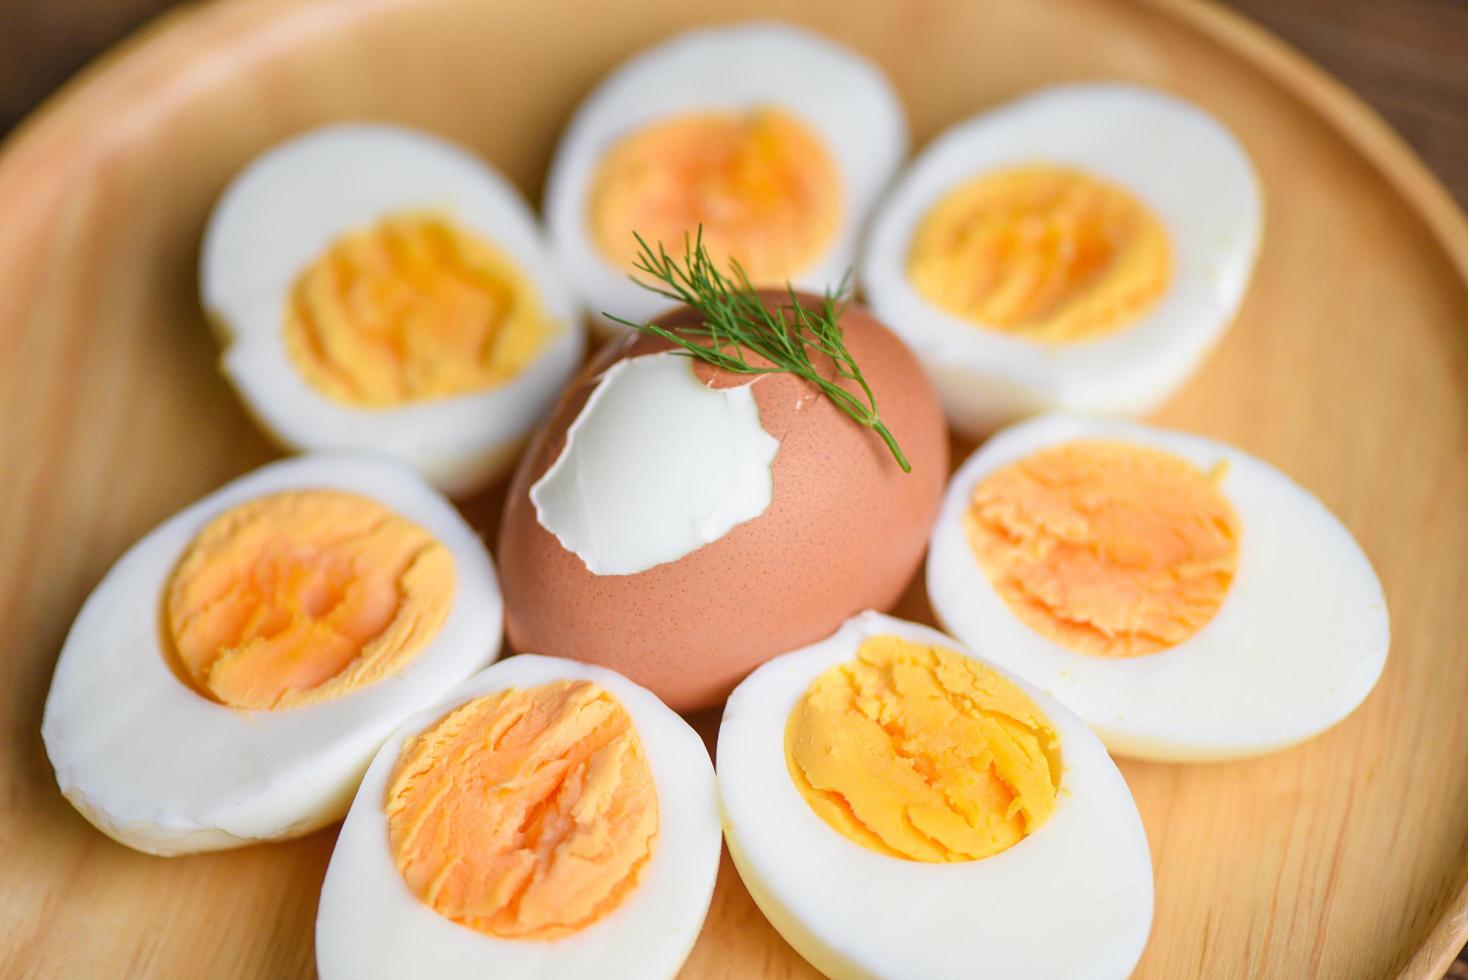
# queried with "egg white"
point(287, 207)
point(710, 457)
point(371, 925)
point(844, 99)
point(1176, 159)
point(1298, 643)
point(1073, 899)
point(163, 769)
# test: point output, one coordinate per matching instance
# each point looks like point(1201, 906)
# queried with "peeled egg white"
point(289, 206)
point(1172, 156)
point(371, 925)
point(163, 769)
point(1072, 899)
point(710, 454)
point(1298, 643)
point(845, 101)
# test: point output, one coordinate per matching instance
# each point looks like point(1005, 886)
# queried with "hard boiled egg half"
point(900, 808)
point(1080, 249)
point(774, 140)
point(548, 819)
point(379, 289)
point(1186, 599)
point(231, 676)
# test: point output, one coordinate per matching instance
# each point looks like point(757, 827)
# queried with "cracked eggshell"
point(713, 461)
point(843, 532)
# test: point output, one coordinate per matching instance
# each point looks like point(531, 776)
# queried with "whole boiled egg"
point(898, 807)
point(231, 676)
point(547, 819)
point(681, 524)
point(379, 289)
point(1080, 249)
point(1186, 599)
point(772, 139)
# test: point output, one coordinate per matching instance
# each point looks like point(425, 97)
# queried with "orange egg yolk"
point(303, 596)
point(921, 753)
point(1042, 252)
point(525, 813)
point(1107, 548)
point(412, 308)
point(761, 184)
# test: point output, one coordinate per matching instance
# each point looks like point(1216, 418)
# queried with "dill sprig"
point(734, 320)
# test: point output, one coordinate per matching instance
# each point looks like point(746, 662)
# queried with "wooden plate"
point(1348, 368)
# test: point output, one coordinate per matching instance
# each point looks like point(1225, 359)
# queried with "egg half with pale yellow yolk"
point(546, 819)
point(772, 139)
point(231, 676)
point(379, 289)
point(1080, 249)
point(899, 807)
point(1186, 599)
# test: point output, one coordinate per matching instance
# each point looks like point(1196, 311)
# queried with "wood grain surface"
point(1344, 857)
point(1406, 58)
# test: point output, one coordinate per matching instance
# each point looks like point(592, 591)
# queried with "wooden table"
point(1409, 58)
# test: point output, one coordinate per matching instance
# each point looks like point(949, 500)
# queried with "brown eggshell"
point(844, 532)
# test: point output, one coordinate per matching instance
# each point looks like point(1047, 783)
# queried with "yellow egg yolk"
point(1043, 252)
point(525, 813)
point(412, 308)
point(1107, 548)
point(303, 596)
point(761, 184)
point(919, 752)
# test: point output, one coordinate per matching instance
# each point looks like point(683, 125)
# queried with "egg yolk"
point(303, 596)
point(525, 813)
point(761, 184)
point(1106, 548)
point(412, 308)
point(1043, 252)
point(921, 753)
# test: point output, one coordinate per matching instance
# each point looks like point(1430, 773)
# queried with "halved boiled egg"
point(1080, 249)
point(773, 140)
point(1186, 599)
point(899, 807)
point(547, 819)
point(231, 676)
point(379, 289)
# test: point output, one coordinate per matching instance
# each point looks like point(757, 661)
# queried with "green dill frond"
point(733, 320)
